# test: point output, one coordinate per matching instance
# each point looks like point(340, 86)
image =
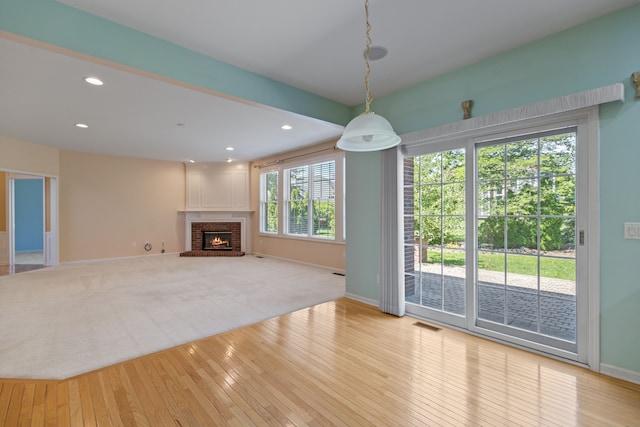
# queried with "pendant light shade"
point(368, 132)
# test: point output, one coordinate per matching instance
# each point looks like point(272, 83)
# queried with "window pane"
point(323, 207)
point(453, 199)
point(558, 154)
point(522, 234)
point(428, 169)
point(491, 198)
point(298, 205)
point(522, 159)
point(324, 178)
point(557, 234)
point(491, 233)
point(430, 199)
point(522, 197)
point(269, 202)
point(453, 232)
point(558, 195)
point(298, 183)
point(324, 224)
point(453, 166)
point(491, 164)
point(298, 217)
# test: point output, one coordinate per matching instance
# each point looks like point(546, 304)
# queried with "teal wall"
point(363, 224)
point(599, 53)
point(595, 54)
point(29, 215)
point(58, 24)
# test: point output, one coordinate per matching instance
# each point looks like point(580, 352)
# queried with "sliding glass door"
point(493, 237)
point(435, 240)
point(526, 237)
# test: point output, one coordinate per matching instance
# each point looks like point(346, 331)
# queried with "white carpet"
point(64, 321)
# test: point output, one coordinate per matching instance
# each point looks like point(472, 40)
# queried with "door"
point(435, 235)
point(527, 235)
point(493, 234)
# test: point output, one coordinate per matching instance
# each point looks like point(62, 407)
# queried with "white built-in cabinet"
point(217, 186)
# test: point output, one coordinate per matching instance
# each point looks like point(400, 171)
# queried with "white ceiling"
point(316, 46)
point(43, 94)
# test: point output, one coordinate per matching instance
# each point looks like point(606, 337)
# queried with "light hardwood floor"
point(339, 363)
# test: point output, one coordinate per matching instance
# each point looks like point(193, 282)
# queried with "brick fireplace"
point(197, 228)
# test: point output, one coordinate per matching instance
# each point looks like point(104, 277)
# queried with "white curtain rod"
point(286, 159)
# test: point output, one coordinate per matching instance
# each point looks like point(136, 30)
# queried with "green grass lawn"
point(557, 268)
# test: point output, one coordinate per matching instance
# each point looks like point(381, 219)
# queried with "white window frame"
point(340, 195)
point(311, 197)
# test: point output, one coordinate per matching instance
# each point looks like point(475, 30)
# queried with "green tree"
point(528, 187)
point(271, 203)
point(439, 204)
point(298, 204)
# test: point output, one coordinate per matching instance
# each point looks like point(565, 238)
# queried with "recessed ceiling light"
point(93, 81)
point(286, 127)
point(229, 160)
point(191, 161)
point(81, 125)
point(229, 148)
point(376, 52)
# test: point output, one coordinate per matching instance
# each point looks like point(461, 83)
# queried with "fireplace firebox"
point(216, 241)
point(215, 238)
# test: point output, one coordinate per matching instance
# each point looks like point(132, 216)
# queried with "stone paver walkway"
point(556, 302)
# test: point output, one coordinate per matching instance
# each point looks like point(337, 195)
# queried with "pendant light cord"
point(369, 98)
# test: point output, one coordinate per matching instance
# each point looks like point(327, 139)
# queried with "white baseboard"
point(97, 260)
point(363, 300)
point(622, 374)
point(335, 270)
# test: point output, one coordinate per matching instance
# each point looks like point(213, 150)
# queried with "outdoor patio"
point(557, 305)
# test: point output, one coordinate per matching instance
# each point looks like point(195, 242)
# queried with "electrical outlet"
point(632, 230)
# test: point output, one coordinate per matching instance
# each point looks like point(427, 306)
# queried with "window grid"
point(311, 195)
point(436, 182)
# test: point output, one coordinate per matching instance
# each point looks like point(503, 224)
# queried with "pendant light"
point(368, 131)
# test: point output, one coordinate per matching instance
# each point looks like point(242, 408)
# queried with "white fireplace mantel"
point(217, 186)
point(216, 216)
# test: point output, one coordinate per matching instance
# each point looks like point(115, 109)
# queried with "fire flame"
point(217, 241)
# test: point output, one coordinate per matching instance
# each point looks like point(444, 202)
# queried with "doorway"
point(29, 228)
point(28, 220)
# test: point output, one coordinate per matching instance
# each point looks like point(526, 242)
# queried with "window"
point(304, 198)
point(311, 200)
point(269, 202)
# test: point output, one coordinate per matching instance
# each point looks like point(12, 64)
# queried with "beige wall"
point(20, 156)
point(107, 203)
point(326, 254)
